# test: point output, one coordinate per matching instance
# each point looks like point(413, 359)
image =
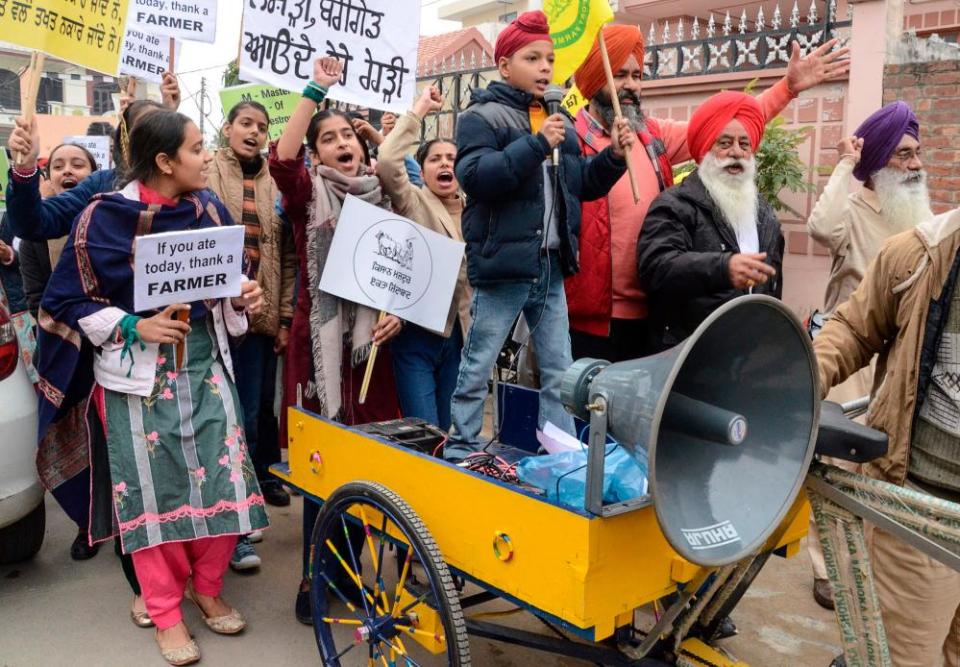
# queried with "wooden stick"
point(25, 79)
point(29, 101)
point(615, 98)
point(239, 50)
point(371, 360)
point(182, 316)
point(173, 51)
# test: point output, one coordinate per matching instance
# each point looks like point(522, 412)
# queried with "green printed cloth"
point(179, 464)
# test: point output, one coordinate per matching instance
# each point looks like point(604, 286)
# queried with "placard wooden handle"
point(182, 316)
point(616, 110)
point(371, 360)
point(29, 100)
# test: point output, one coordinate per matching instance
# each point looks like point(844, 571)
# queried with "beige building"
point(487, 16)
point(65, 90)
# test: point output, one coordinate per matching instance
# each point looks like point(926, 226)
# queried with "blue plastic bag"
point(564, 476)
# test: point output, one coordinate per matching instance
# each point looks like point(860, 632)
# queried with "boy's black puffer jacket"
point(499, 166)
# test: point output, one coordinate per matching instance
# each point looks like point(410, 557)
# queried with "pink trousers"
point(163, 571)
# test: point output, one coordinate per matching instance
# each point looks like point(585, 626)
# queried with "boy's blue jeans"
point(495, 309)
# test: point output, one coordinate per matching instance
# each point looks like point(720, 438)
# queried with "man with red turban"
point(712, 238)
point(607, 307)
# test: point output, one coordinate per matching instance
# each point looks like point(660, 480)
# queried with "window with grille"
point(51, 90)
point(9, 90)
point(103, 98)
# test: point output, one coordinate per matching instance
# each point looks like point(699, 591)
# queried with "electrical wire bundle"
point(491, 465)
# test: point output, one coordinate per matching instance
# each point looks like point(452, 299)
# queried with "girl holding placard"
point(180, 484)
point(63, 453)
point(330, 338)
point(426, 363)
point(42, 219)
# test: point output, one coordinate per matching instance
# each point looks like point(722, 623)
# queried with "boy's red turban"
point(527, 28)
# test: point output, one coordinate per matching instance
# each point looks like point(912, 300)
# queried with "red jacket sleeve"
point(293, 181)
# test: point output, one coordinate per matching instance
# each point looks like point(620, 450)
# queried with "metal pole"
point(203, 96)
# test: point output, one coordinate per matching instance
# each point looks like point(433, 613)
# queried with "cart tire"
point(439, 591)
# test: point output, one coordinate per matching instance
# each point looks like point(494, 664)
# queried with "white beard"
point(904, 200)
point(734, 194)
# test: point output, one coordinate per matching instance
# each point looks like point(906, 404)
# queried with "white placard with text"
point(99, 147)
point(387, 262)
point(180, 267)
point(375, 39)
point(184, 19)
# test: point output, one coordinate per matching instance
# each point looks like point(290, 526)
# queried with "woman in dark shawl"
point(180, 486)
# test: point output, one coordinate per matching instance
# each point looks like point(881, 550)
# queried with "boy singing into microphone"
point(521, 221)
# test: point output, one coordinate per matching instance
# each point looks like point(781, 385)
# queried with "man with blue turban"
point(884, 153)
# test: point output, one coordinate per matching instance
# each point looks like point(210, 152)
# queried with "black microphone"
point(553, 97)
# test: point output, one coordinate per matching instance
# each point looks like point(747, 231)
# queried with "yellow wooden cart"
point(401, 533)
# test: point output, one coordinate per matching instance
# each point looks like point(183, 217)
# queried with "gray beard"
point(603, 106)
point(734, 195)
point(904, 200)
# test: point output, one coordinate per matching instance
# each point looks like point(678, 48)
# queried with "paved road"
point(56, 612)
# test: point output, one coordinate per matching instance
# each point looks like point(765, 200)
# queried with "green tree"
point(231, 75)
point(779, 166)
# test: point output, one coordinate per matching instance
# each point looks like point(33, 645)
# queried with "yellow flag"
point(573, 101)
point(574, 25)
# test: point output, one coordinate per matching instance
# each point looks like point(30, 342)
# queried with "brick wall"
point(933, 90)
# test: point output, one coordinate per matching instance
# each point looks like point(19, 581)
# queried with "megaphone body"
point(728, 420)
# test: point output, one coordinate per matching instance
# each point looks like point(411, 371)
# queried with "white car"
point(22, 514)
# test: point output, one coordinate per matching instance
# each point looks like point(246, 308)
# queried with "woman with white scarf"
point(330, 339)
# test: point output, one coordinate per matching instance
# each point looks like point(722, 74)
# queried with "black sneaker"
point(726, 629)
point(302, 608)
point(81, 549)
point(274, 494)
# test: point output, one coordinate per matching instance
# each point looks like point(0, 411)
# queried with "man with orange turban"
point(607, 306)
point(711, 238)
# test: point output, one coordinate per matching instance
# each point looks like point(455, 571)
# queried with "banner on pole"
point(574, 25)
point(278, 103)
point(180, 267)
point(4, 177)
point(195, 20)
point(99, 147)
point(146, 56)
point(88, 34)
point(381, 260)
point(375, 39)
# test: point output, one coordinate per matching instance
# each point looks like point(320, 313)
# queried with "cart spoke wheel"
point(365, 546)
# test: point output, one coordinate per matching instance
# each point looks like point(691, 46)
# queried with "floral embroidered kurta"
point(179, 463)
